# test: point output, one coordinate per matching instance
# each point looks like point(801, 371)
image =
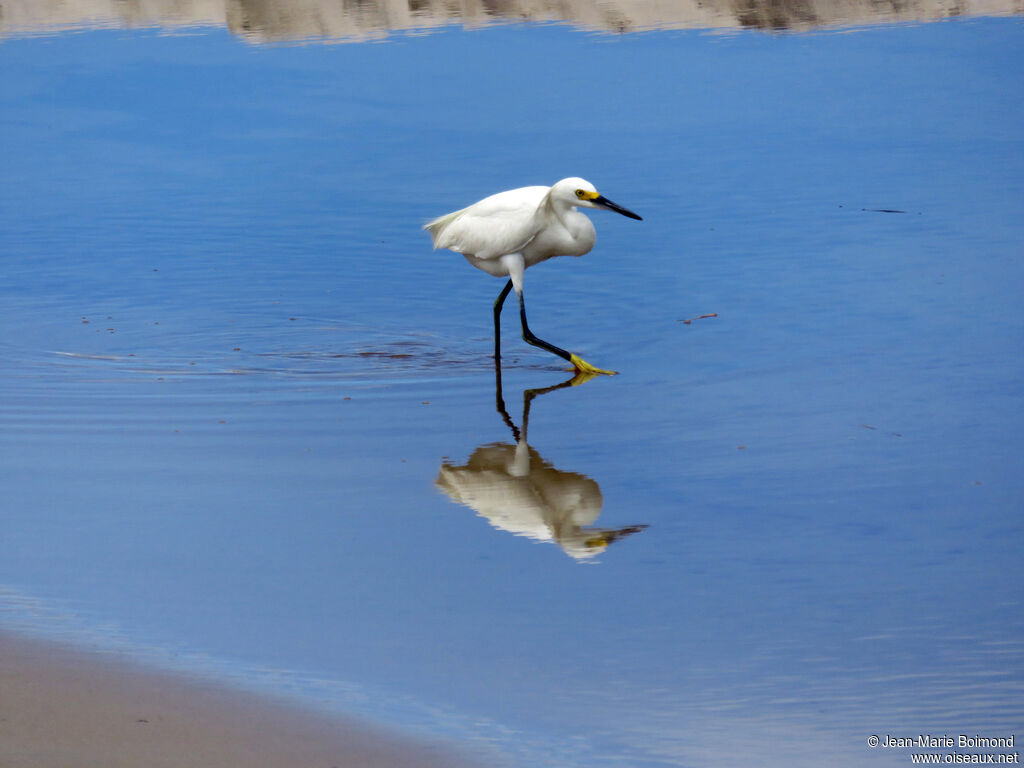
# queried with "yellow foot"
point(584, 367)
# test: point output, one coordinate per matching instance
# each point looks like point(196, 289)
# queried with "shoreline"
point(63, 707)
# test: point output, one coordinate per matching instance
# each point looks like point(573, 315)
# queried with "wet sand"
point(62, 708)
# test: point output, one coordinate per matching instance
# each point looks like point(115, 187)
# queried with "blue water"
point(233, 377)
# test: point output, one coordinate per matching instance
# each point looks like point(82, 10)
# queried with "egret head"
point(583, 194)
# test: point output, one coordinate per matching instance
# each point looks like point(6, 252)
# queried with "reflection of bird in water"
point(519, 492)
point(507, 232)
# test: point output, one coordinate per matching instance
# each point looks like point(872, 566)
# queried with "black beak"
point(604, 202)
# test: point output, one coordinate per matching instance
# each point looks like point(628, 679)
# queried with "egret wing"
point(497, 225)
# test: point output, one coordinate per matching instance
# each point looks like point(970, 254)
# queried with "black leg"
point(529, 338)
point(498, 303)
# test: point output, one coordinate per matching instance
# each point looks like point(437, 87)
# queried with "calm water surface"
point(250, 424)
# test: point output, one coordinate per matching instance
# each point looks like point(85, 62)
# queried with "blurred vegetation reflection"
point(516, 490)
point(353, 20)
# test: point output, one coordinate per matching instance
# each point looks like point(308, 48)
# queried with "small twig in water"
point(698, 317)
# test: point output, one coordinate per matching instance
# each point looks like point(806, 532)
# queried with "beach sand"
point(64, 708)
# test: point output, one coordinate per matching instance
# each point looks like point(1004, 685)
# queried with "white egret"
point(507, 232)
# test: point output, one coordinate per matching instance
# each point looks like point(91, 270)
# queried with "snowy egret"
point(507, 232)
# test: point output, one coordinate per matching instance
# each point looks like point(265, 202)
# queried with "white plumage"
point(507, 232)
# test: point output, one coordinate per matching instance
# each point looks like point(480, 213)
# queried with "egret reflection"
point(516, 490)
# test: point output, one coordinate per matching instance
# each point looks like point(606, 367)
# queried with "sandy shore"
point(61, 708)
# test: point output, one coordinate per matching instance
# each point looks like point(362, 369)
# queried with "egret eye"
point(580, 193)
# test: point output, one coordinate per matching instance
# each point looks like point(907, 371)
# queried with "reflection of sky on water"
point(231, 366)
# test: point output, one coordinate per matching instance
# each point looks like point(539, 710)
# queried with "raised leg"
point(578, 363)
point(529, 338)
